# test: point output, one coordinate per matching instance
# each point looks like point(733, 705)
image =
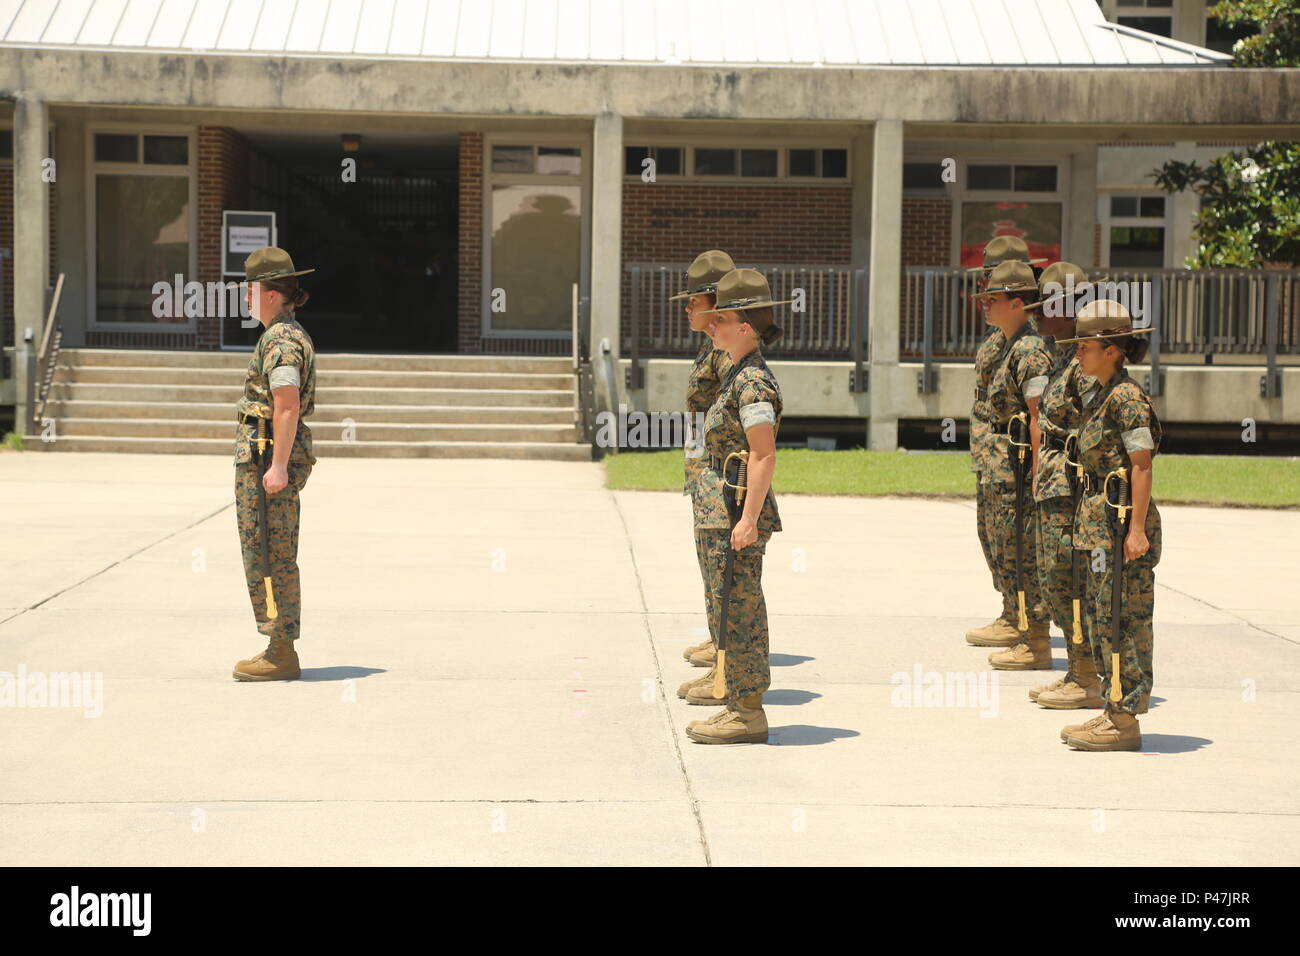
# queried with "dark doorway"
point(384, 246)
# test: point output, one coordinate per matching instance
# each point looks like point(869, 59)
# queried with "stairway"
point(400, 406)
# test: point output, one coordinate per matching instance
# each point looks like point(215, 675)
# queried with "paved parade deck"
point(491, 653)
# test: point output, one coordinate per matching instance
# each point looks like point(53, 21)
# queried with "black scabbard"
point(263, 531)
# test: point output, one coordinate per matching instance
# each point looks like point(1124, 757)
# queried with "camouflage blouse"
point(1060, 414)
point(749, 396)
point(283, 344)
point(1020, 376)
point(707, 372)
point(1119, 421)
point(982, 444)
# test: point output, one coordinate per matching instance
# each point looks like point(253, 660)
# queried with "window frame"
point(1108, 221)
point(583, 143)
point(138, 168)
point(781, 145)
point(960, 195)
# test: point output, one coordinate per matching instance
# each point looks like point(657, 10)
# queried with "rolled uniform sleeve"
point(1035, 386)
point(283, 375)
point(755, 400)
point(1031, 372)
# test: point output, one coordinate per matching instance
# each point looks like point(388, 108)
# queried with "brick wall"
point(470, 258)
point(222, 184)
point(927, 232)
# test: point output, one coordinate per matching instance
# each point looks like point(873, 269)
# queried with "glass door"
point(534, 241)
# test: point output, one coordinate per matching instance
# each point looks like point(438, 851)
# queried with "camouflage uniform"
point(1120, 420)
point(983, 445)
point(284, 343)
point(1019, 376)
point(749, 396)
point(1060, 413)
point(707, 372)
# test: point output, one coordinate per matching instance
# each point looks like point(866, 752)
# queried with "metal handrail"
point(41, 365)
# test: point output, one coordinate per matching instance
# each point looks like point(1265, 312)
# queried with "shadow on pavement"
point(787, 660)
point(1171, 743)
point(788, 697)
point(338, 673)
point(805, 735)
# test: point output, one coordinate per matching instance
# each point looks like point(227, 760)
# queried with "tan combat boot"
point(740, 722)
point(1119, 731)
point(999, 633)
point(701, 693)
point(1081, 688)
point(704, 657)
point(1071, 729)
point(1036, 692)
point(695, 649)
point(1033, 653)
point(278, 662)
point(696, 682)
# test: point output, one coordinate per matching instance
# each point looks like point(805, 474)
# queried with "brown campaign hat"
point(1071, 280)
point(1103, 319)
point(1004, 249)
point(704, 273)
point(1010, 277)
point(741, 290)
point(270, 262)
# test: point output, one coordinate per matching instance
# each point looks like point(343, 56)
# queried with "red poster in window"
point(1038, 223)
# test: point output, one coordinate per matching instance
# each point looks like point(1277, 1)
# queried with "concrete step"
point(326, 431)
point(323, 449)
point(393, 414)
point(227, 395)
point(333, 361)
point(164, 375)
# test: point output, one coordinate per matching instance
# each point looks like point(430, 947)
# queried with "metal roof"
point(831, 33)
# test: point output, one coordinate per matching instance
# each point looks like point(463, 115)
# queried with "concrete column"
point(606, 258)
point(70, 228)
point(31, 262)
point(885, 299)
point(1076, 244)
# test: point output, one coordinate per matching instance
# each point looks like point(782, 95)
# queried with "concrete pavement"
point(491, 653)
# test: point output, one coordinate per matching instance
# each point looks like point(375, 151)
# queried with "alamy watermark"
point(922, 688)
point(634, 429)
point(55, 689)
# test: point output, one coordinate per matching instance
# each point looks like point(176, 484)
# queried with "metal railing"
point(584, 410)
point(828, 320)
point(42, 362)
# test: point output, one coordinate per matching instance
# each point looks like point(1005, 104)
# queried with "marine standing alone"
point(273, 460)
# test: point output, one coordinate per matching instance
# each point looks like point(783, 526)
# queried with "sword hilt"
point(1013, 433)
point(1121, 502)
point(742, 473)
point(1071, 453)
point(262, 439)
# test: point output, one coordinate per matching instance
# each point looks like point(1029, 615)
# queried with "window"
point(923, 176)
point(667, 159)
point(133, 147)
point(1016, 178)
point(1222, 38)
point(1136, 231)
point(994, 198)
point(715, 162)
point(6, 144)
point(543, 160)
point(141, 209)
point(798, 164)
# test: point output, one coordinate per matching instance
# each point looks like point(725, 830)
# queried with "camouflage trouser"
point(746, 640)
point(1137, 605)
point(981, 523)
point(282, 522)
point(1053, 524)
point(1000, 527)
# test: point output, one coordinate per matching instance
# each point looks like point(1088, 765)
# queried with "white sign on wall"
point(243, 232)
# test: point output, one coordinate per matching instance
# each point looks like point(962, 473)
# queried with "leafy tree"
point(1250, 211)
point(1278, 41)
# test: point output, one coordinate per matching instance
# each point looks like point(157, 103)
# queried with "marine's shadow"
point(787, 660)
point(1172, 743)
point(788, 697)
point(317, 674)
point(806, 735)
